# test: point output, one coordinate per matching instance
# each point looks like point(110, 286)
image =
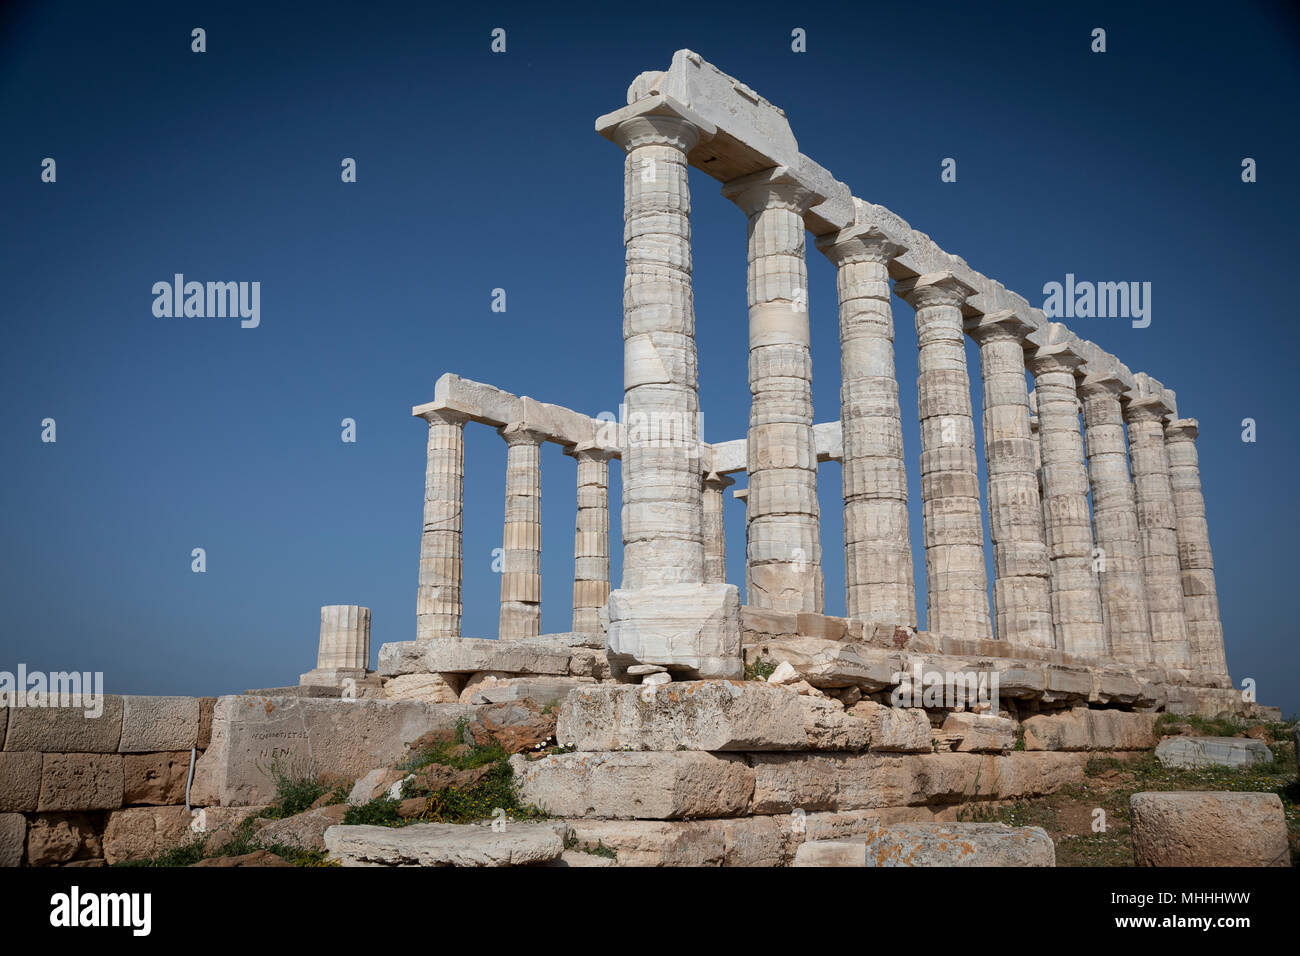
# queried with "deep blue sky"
point(479, 171)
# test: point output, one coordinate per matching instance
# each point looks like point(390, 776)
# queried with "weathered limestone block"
point(81, 782)
point(306, 735)
point(891, 780)
point(1208, 829)
point(980, 733)
point(59, 838)
point(304, 831)
point(155, 779)
point(158, 723)
point(764, 624)
point(645, 785)
point(898, 729)
point(1067, 683)
point(66, 729)
point(589, 663)
point(569, 639)
point(428, 688)
point(1212, 751)
point(704, 715)
point(13, 838)
point(446, 844)
point(1085, 729)
point(544, 690)
point(958, 844)
point(830, 664)
point(20, 781)
point(144, 832)
point(656, 842)
point(468, 656)
point(784, 782)
point(831, 853)
point(398, 658)
point(693, 629)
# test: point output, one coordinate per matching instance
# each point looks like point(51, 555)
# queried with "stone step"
point(934, 844)
point(447, 844)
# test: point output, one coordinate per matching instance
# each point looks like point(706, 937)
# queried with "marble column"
point(877, 545)
point(715, 530)
point(742, 495)
point(957, 600)
point(664, 613)
point(783, 516)
point(1076, 596)
point(1158, 528)
point(521, 559)
point(1196, 561)
point(1022, 605)
point(343, 650)
point(1114, 520)
point(591, 536)
point(438, 598)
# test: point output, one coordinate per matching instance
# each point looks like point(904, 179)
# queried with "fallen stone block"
point(518, 726)
point(158, 723)
point(141, 833)
point(1200, 828)
point(958, 844)
point(713, 715)
point(445, 844)
point(831, 853)
point(20, 781)
point(66, 729)
point(469, 656)
point(692, 629)
point(586, 662)
point(980, 733)
point(568, 639)
point(895, 729)
point(833, 664)
point(542, 690)
point(303, 736)
point(637, 785)
point(1084, 729)
point(81, 782)
point(1212, 751)
point(428, 688)
point(13, 838)
point(156, 779)
point(304, 831)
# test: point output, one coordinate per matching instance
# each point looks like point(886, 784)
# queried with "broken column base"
point(691, 629)
point(332, 677)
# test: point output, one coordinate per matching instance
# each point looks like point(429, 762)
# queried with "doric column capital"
point(522, 433)
point(1060, 357)
point(1102, 382)
point(1004, 325)
point(859, 244)
point(445, 411)
point(933, 288)
point(1182, 429)
point(718, 482)
point(775, 188)
point(655, 120)
point(591, 451)
point(1144, 408)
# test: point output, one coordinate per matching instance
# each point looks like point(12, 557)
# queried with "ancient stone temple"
point(1099, 538)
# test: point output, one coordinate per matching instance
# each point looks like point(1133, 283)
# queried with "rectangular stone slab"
point(640, 786)
point(472, 655)
point(446, 844)
point(66, 729)
point(1212, 751)
point(306, 736)
point(1085, 729)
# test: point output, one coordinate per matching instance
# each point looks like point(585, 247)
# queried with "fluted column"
point(1200, 595)
point(1158, 529)
point(521, 560)
point(1076, 597)
point(877, 545)
point(591, 536)
point(783, 515)
point(957, 597)
point(1022, 605)
point(715, 529)
point(1114, 520)
point(343, 650)
point(664, 613)
point(438, 598)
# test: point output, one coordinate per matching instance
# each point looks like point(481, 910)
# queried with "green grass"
point(760, 668)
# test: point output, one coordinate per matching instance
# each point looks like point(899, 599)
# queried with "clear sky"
point(478, 171)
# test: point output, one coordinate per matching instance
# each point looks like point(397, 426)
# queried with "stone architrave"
point(957, 600)
point(877, 544)
point(783, 518)
point(715, 528)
